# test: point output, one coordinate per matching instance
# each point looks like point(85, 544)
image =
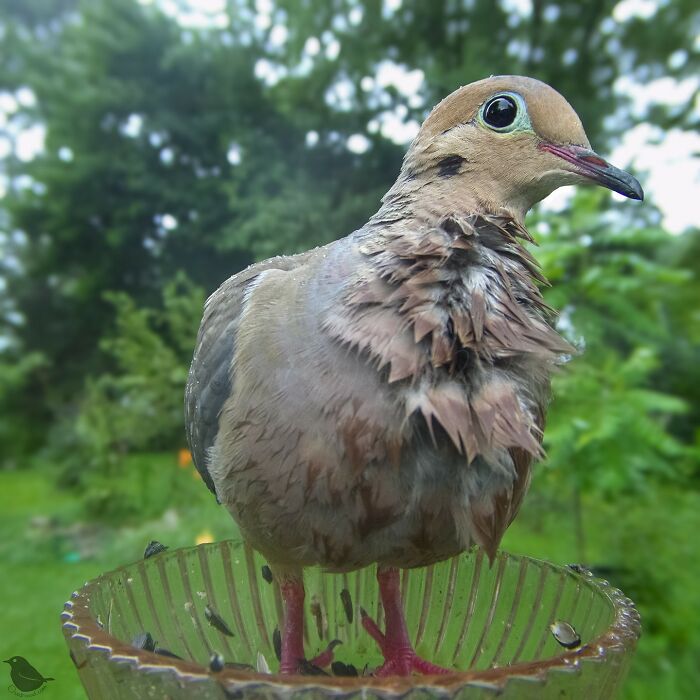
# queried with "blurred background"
point(152, 148)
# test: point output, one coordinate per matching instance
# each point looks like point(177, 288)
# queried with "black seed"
point(216, 662)
point(266, 573)
point(153, 547)
point(306, 668)
point(277, 643)
point(166, 652)
point(341, 669)
point(449, 166)
point(144, 641)
point(315, 610)
point(236, 666)
point(215, 620)
point(347, 603)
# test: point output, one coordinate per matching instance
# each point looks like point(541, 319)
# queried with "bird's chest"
point(452, 321)
point(429, 368)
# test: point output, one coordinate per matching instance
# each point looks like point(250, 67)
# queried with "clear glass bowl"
point(491, 623)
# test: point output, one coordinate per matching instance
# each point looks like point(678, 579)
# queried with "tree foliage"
point(608, 428)
point(137, 405)
point(175, 151)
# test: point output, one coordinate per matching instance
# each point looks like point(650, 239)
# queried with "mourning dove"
point(381, 399)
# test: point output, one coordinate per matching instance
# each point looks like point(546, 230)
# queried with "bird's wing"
point(209, 381)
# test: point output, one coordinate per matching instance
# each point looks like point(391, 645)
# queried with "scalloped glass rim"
point(86, 637)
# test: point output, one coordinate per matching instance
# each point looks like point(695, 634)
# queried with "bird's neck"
point(426, 197)
point(435, 282)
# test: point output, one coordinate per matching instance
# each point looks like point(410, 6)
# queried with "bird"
point(24, 676)
point(381, 400)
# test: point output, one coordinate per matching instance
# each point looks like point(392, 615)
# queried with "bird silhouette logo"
point(25, 678)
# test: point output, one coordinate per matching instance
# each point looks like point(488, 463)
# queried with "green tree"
point(137, 406)
point(608, 430)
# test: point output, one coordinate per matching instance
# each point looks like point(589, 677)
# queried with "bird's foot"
point(325, 658)
point(400, 658)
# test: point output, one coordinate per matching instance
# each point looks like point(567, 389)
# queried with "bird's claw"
point(372, 628)
point(404, 662)
point(325, 658)
point(399, 660)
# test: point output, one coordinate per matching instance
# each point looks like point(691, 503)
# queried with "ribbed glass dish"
point(491, 623)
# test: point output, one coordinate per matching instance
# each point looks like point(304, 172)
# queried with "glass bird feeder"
point(201, 623)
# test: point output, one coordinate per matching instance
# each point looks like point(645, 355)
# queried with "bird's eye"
point(500, 112)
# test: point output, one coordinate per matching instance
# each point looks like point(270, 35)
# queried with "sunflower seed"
point(277, 643)
point(565, 634)
point(347, 603)
point(215, 620)
point(154, 547)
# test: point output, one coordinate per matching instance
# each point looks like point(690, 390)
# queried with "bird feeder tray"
point(201, 623)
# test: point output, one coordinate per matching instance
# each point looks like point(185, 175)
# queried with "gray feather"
point(209, 383)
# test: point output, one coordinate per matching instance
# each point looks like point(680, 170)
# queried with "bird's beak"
point(591, 165)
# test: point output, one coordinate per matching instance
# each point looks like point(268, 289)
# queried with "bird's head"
point(508, 142)
point(13, 660)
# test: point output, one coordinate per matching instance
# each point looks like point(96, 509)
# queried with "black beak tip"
point(633, 190)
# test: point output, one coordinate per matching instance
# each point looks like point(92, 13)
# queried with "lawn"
point(50, 547)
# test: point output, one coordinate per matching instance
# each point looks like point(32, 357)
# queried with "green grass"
point(49, 548)
point(646, 546)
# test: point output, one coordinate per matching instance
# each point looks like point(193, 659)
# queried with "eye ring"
point(504, 112)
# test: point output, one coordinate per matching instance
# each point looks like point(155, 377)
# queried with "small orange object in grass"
point(184, 458)
point(204, 537)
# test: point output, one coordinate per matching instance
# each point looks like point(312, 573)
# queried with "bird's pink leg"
point(293, 659)
point(400, 659)
point(293, 629)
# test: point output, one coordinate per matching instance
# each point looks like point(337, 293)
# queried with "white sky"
point(668, 163)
